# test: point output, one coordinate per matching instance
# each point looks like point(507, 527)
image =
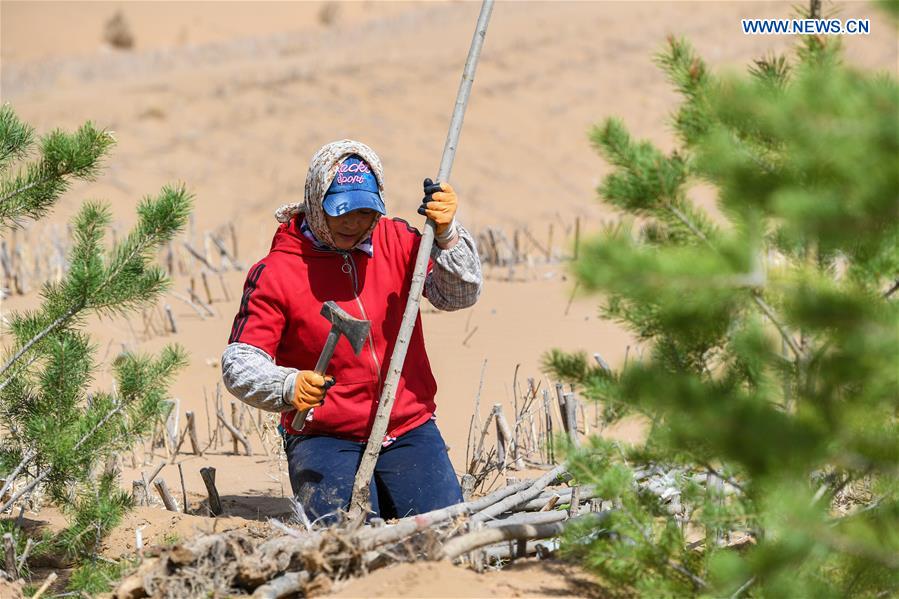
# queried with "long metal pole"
point(360, 502)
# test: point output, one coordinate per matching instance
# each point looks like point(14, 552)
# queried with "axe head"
point(354, 329)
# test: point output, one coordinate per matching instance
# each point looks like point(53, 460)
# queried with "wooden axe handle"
point(320, 367)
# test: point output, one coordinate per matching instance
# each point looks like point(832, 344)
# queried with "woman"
point(336, 247)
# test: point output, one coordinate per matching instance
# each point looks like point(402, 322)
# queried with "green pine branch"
point(127, 281)
point(16, 137)
point(691, 78)
point(59, 432)
point(772, 70)
point(36, 187)
point(802, 153)
point(649, 184)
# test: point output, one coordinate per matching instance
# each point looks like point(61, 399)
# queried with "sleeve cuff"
point(450, 235)
point(287, 391)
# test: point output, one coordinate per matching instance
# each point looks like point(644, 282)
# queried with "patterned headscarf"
point(322, 170)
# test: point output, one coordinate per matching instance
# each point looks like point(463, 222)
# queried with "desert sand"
point(233, 98)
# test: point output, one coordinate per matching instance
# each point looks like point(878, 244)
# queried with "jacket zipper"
point(349, 267)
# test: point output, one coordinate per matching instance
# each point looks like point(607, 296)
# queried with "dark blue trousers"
point(413, 474)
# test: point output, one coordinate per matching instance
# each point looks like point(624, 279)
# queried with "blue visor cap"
point(354, 187)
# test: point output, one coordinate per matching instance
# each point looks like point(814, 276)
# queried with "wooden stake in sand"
point(167, 498)
point(477, 454)
point(502, 427)
point(502, 438)
point(574, 505)
point(563, 413)
point(199, 256)
point(29, 545)
point(359, 503)
point(475, 415)
point(234, 423)
point(206, 287)
point(50, 580)
point(183, 489)
point(9, 554)
point(215, 503)
point(171, 318)
point(571, 418)
point(139, 492)
point(155, 473)
point(219, 407)
point(548, 416)
point(236, 434)
point(192, 431)
point(208, 420)
point(257, 426)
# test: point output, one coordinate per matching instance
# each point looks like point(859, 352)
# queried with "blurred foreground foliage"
point(768, 330)
point(59, 435)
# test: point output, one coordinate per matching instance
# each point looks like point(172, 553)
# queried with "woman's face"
point(347, 229)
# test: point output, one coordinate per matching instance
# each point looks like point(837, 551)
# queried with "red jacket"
point(280, 314)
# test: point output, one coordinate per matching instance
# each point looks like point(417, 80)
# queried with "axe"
point(355, 331)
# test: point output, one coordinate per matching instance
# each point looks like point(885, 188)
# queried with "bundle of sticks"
point(505, 524)
point(521, 519)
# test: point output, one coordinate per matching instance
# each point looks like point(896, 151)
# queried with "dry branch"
point(586, 492)
point(173, 328)
point(505, 550)
point(529, 518)
point(548, 418)
point(234, 423)
point(195, 299)
point(9, 552)
point(286, 585)
point(575, 503)
point(189, 302)
point(563, 413)
point(11, 478)
point(257, 428)
point(511, 449)
point(301, 563)
point(502, 440)
point(238, 436)
point(475, 414)
point(50, 580)
point(520, 497)
point(139, 493)
point(487, 536)
point(155, 473)
point(550, 504)
point(184, 505)
point(215, 503)
point(167, 498)
point(570, 407)
point(206, 287)
point(199, 256)
point(192, 431)
point(275, 555)
point(223, 251)
point(477, 454)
